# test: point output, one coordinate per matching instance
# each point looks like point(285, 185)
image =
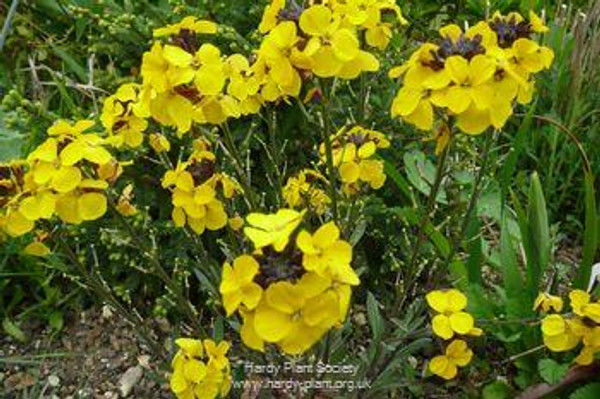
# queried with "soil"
point(92, 357)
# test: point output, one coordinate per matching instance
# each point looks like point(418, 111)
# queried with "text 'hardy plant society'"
point(473, 77)
point(294, 288)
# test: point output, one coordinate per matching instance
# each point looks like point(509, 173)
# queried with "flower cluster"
point(305, 190)
point(289, 292)
point(195, 185)
point(473, 76)
point(201, 369)
point(354, 151)
point(562, 333)
point(123, 117)
point(451, 320)
point(186, 79)
point(67, 175)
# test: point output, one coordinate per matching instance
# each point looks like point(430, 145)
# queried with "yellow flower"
point(194, 193)
point(583, 307)
point(295, 316)
point(559, 334)
point(457, 355)
point(119, 117)
point(200, 370)
point(37, 248)
point(271, 15)
point(545, 302)
point(272, 229)
point(124, 205)
point(238, 286)
point(326, 254)
point(62, 128)
point(451, 319)
point(190, 24)
point(302, 191)
point(159, 143)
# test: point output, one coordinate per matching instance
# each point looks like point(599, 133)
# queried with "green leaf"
point(538, 229)
point(71, 63)
point(375, 319)
point(511, 276)
point(590, 234)
point(421, 174)
point(551, 371)
point(56, 320)
point(414, 219)
point(11, 142)
point(475, 252)
point(496, 390)
point(398, 179)
point(590, 391)
point(13, 330)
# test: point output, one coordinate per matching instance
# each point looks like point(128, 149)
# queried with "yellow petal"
point(553, 325)
point(461, 322)
point(270, 324)
point(92, 206)
point(37, 248)
point(441, 326)
point(315, 20)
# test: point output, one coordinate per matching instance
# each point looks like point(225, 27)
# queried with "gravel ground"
point(97, 355)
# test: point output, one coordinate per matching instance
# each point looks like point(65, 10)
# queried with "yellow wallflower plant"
point(201, 369)
point(472, 76)
point(291, 292)
point(451, 319)
point(457, 354)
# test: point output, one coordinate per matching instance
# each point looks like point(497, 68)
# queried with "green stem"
point(440, 172)
point(326, 133)
point(107, 296)
point(275, 153)
point(474, 197)
point(184, 304)
point(238, 166)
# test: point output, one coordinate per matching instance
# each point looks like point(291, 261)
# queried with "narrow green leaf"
point(71, 63)
point(590, 234)
point(538, 229)
point(375, 319)
point(399, 180)
point(511, 276)
point(474, 252)
point(441, 243)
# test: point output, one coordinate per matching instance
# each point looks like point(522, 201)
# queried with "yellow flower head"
point(291, 296)
point(189, 24)
point(457, 354)
point(583, 306)
point(544, 302)
point(272, 229)
point(159, 143)
point(354, 153)
point(560, 334)
point(474, 75)
point(451, 318)
point(195, 185)
point(120, 119)
point(304, 190)
point(200, 369)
